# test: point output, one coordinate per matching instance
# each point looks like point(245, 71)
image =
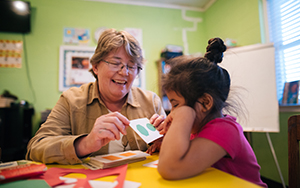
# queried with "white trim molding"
point(160, 5)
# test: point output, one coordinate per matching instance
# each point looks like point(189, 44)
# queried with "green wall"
point(239, 20)
point(160, 26)
point(234, 19)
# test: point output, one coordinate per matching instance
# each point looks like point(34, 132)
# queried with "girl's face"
point(177, 101)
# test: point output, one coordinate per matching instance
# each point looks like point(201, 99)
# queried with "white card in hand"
point(145, 129)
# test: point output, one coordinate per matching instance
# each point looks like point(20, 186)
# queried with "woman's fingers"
point(106, 134)
point(163, 128)
point(157, 120)
point(153, 118)
point(114, 122)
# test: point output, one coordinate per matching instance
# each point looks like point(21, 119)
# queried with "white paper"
point(8, 164)
point(152, 164)
point(145, 129)
point(71, 182)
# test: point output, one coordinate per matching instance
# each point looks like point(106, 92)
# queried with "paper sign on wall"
point(145, 129)
point(11, 53)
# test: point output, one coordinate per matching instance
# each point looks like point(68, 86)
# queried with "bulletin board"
point(74, 65)
point(252, 71)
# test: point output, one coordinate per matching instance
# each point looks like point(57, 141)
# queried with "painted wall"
point(239, 20)
point(160, 26)
point(234, 19)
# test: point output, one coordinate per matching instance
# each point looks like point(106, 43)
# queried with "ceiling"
point(196, 5)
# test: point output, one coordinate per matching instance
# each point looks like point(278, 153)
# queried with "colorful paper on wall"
point(11, 53)
point(76, 36)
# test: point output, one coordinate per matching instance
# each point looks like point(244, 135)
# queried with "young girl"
point(198, 135)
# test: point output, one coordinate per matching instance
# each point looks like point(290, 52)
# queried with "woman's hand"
point(156, 120)
point(166, 124)
point(106, 128)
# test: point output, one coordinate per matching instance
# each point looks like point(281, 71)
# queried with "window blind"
point(284, 27)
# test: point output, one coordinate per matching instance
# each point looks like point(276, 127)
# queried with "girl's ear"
point(207, 102)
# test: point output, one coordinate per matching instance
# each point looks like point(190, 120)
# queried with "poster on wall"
point(11, 53)
point(74, 66)
point(77, 36)
point(138, 35)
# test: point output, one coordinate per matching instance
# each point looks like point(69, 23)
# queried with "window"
point(284, 27)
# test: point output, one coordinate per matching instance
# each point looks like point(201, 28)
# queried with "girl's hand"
point(155, 147)
point(181, 112)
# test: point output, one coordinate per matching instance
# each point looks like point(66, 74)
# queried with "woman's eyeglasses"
point(118, 66)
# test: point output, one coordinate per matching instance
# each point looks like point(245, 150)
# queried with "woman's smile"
point(119, 82)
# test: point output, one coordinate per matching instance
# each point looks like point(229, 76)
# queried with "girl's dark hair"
point(191, 78)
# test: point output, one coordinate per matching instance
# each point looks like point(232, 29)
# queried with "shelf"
point(289, 108)
point(163, 68)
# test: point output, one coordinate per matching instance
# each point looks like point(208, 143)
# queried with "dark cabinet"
point(15, 131)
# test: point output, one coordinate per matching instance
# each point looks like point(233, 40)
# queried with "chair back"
point(293, 150)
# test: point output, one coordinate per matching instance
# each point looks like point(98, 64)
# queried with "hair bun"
point(215, 49)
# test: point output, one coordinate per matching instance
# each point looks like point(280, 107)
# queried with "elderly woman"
point(93, 119)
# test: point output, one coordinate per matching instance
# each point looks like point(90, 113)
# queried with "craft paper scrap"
point(152, 164)
point(71, 182)
point(26, 184)
point(131, 184)
point(145, 129)
point(52, 176)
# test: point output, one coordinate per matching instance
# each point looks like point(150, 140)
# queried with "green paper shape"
point(150, 127)
point(26, 184)
point(142, 130)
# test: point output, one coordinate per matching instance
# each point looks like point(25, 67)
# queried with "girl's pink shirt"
point(241, 161)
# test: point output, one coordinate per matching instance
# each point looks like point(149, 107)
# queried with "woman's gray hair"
point(112, 39)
